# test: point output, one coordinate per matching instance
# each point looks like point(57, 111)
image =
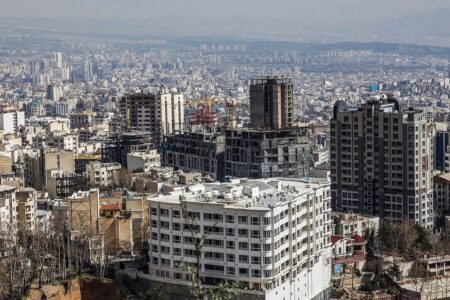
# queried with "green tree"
point(394, 270)
point(422, 241)
point(370, 246)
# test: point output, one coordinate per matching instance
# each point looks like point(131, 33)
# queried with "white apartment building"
point(159, 111)
point(63, 141)
point(101, 174)
point(143, 161)
point(11, 120)
point(381, 159)
point(270, 237)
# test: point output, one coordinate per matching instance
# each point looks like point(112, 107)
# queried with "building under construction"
point(62, 184)
point(262, 153)
point(195, 151)
point(116, 147)
point(271, 102)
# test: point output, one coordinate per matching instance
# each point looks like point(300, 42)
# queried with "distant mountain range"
point(431, 28)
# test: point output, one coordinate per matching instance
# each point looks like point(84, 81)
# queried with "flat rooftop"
point(244, 193)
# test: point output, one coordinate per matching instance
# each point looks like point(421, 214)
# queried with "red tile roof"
point(335, 239)
point(358, 239)
point(110, 207)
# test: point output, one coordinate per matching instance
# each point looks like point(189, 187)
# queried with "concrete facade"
point(267, 153)
point(271, 237)
point(11, 120)
point(382, 160)
point(271, 102)
point(195, 152)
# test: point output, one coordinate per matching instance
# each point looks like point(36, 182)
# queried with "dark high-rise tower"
point(381, 161)
point(271, 102)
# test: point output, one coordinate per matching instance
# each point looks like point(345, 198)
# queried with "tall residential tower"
point(159, 111)
point(381, 161)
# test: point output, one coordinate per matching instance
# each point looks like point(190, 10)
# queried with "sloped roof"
point(358, 239)
point(110, 207)
point(335, 239)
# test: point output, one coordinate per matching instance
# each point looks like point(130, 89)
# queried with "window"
point(193, 215)
point(176, 239)
point(230, 257)
point(230, 231)
point(255, 221)
point(164, 225)
point(231, 271)
point(256, 234)
point(243, 232)
point(256, 260)
point(243, 246)
point(243, 220)
point(230, 219)
point(176, 226)
point(243, 258)
point(256, 273)
point(256, 247)
point(212, 217)
point(230, 244)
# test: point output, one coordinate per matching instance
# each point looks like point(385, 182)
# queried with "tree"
point(368, 288)
point(122, 178)
point(422, 240)
point(395, 271)
point(370, 246)
point(386, 236)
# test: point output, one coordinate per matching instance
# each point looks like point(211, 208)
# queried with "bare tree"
point(122, 178)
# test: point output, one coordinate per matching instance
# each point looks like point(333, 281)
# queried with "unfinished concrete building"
point(195, 152)
point(117, 146)
point(271, 102)
point(262, 153)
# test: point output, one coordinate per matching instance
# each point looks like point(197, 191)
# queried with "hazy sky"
point(317, 10)
point(410, 21)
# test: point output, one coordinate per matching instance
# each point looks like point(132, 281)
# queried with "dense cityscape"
point(222, 168)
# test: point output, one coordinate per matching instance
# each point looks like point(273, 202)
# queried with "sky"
point(320, 10)
point(409, 20)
